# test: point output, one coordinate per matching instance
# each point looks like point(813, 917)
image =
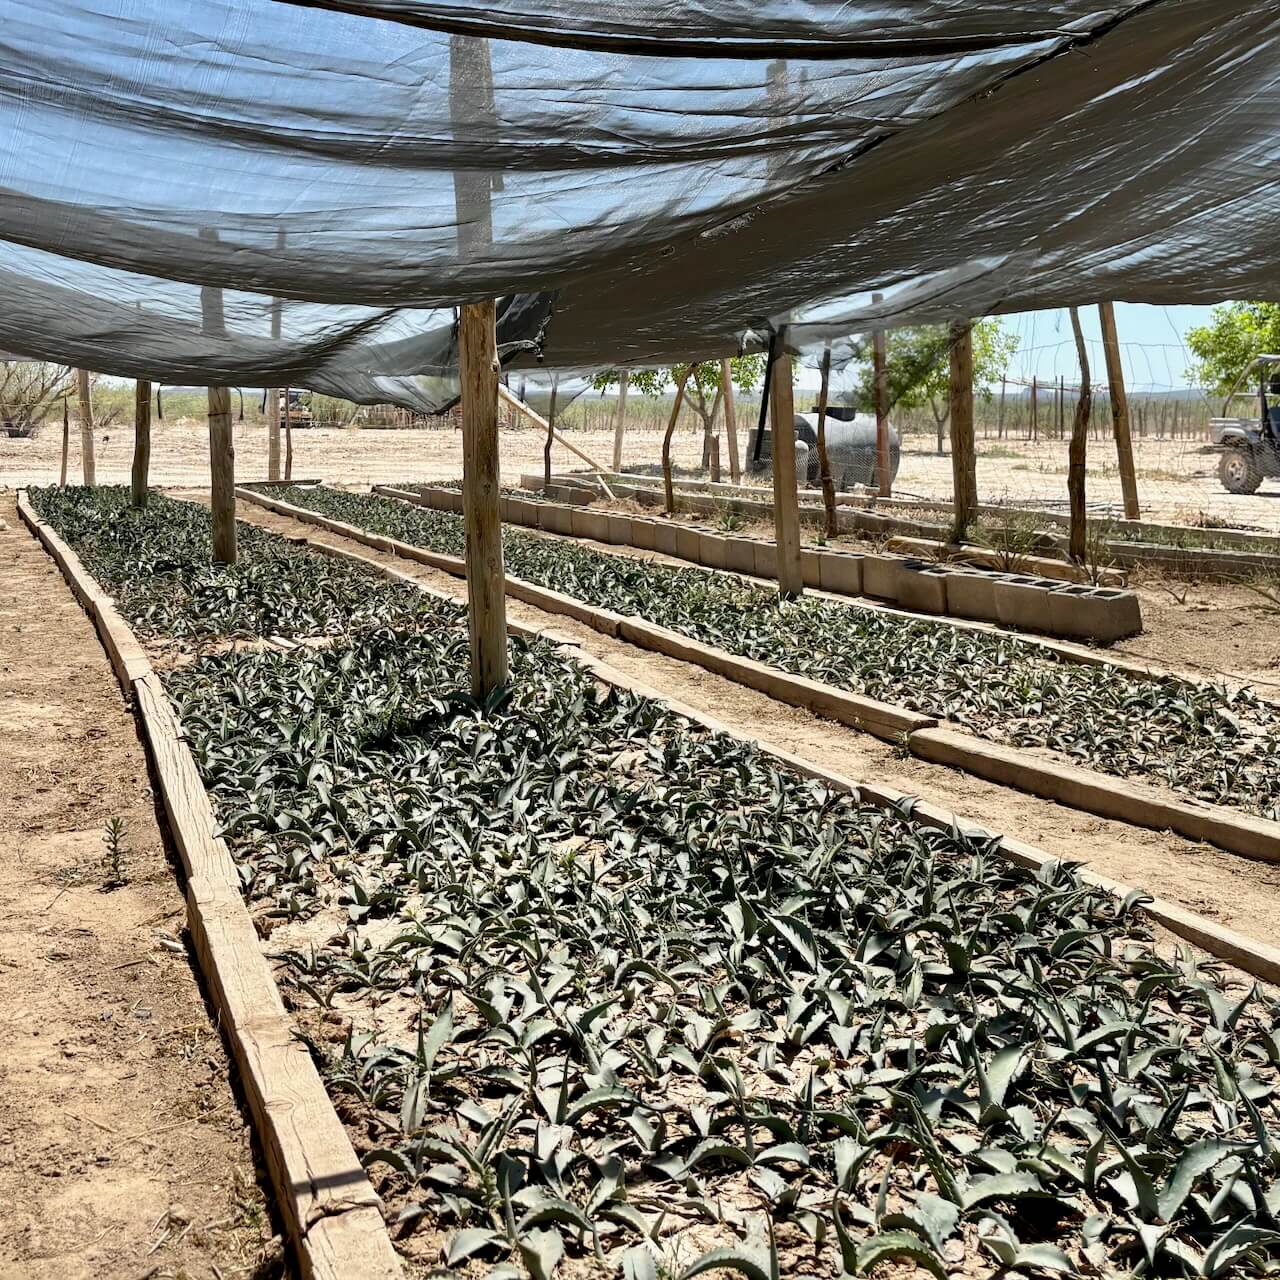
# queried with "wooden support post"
point(481, 493)
point(273, 433)
point(963, 454)
point(786, 509)
point(66, 441)
point(1062, 406)
point(619, 425)
point(141, 442)
point(551, 432)
point(1119, 410)
point(222, 471)
point(288, 436)
point(880, 388)
point(730, 421)
point(1033, 431)
point(824, 459)
point(667, 487)
point(1004, 385)
point(1076, 456)
point(86, 428)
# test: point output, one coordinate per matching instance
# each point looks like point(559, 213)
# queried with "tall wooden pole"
point(668, 489)
point(549, 438)
point(1033, 432)
point(141, 442)
point(620, 424)
point(222, 471)
point(1119, 410)
point(963, 454)
point(786, 510)
point(66, 442)
point(1076, 455)
point(824, 459)
point(481, 513)
point(288, 436)
point(86, 427)
point(880, 388)
point(273, 393)
point(730, 421)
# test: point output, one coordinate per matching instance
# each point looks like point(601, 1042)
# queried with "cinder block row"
point(1022, 601)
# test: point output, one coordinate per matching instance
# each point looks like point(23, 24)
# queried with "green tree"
point(1235, 334)
point(918, 363)
point(700, 390)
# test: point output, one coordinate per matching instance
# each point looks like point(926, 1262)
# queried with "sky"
point(1152, 342)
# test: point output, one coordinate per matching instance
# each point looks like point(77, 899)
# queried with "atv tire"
point(1238, 471)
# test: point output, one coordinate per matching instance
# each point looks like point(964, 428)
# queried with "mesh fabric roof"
point(264, 192)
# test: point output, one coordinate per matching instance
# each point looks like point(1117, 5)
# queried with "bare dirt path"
point(123, 1149)
point(1222, 886)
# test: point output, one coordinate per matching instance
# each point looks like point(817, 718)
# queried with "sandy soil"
point(1176, 480)
point(123, 1148)
point(1233, 890)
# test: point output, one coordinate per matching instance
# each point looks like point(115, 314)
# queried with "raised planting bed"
point(1215, 745)
point(1105, 616)
point(601, 992)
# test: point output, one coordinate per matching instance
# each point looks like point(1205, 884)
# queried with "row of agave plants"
point(1209, 743)
point(600, 992)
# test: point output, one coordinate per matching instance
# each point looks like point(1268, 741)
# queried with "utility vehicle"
point(1250, 445)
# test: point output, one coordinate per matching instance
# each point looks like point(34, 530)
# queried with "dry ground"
point(123, 1148)
point(1176, 481)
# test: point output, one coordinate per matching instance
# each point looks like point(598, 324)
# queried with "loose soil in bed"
point(123, 1147)
point(1222, 886)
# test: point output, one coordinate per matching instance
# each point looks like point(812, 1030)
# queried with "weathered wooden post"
point(1076, 456)
point(90, 473)
point(730, 421)
point(963, 455)
point(66, 442)
point(481, 512)
point(880, 390)
point(786, 510)
point(1119, 410)
point(620, 424)
point(141, 442)
point(222, 452)
point(824, 460)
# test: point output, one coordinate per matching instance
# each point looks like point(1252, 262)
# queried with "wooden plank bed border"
point(1247, 954)
point(332, 1213)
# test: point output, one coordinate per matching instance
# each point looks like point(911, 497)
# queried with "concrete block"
point(1023, 602)
point(1103, 614)
point(880, 576)
point(665, 537)
point(711, 549)
point(922, 588)
point(740, 555)
point(766, 559)
point(688, 543)
point(555, 518)
point(620, 530)
point(972, 594)
point(840, 572)
point(643, 533)
point(586, 523)
point(810, 567)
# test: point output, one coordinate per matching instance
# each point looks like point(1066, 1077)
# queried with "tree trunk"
point(141, 443)
point(620, 425)
point(668, 488)
point(90, 472)
point(1076, 456)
